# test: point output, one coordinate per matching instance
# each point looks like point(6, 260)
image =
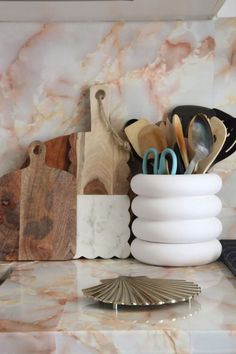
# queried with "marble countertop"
point(42, 310)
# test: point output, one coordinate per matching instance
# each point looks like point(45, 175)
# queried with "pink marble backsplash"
point(46, 70)
point(225, 99)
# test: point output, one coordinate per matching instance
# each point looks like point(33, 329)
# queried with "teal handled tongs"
point(161, 161)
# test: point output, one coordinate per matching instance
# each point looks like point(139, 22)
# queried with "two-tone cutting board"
point(38, 210)
point(102, 184)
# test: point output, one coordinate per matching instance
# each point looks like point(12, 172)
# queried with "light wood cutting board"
point(38, 205)
point(101, 163)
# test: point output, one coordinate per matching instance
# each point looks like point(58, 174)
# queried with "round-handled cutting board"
point(38, 210)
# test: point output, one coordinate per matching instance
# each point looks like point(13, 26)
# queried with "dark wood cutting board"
point(9, 216)
point(40, 211)
point(60, 153)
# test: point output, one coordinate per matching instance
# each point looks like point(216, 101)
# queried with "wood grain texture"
point(151, 136)
point(47, 210)
point(9, 216)
point(101, 163)
point(180, 139)
point(72, 157)
point(61, 154)
point(132, 131)
point(219, 131)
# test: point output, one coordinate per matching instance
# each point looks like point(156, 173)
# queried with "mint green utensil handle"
point(155, 162)
point(159, 164)
point(162, 163)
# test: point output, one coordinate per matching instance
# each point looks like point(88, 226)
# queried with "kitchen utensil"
point(9, 216)
point(200, 140)
point(219, 132)
point(180, 139)
point(58, 153)
point(170, 133)
point(180, 164)
point(187, 112)
point(47, 210)
point(132, 131)
point(102, 184)
point(230, 144)
point(40, 209)
point(142, 291)
point(151, 136)
point(160, 161)
point(101, 158)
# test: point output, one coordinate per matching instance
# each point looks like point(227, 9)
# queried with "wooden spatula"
point(151, 136)
point(132, 131)
point(219, 132)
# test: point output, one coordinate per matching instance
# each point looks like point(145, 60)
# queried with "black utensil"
point(229, 146)
point(180, 163)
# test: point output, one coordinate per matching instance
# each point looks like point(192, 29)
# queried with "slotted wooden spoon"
point(219, 132)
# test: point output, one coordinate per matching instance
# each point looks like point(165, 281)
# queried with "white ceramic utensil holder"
point(177, 223)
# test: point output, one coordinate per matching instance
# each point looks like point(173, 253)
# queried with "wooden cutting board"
point(9, 216)
point(101, 162)
point(38, 206)
point(102, 184)
point(60, 153)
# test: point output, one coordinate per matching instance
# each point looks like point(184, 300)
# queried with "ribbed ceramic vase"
point(176, 221)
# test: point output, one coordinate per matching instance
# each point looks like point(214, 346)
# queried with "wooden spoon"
point(180, 139)
point(219, 132)
point(151, 136)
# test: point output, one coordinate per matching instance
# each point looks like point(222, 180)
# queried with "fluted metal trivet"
point(142, 291)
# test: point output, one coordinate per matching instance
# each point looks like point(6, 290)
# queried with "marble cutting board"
point(102, 226)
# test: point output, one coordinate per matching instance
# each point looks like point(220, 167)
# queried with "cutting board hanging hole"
point(100, 95)
point(37, 151)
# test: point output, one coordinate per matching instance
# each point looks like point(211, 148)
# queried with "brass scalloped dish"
point(142, 291)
